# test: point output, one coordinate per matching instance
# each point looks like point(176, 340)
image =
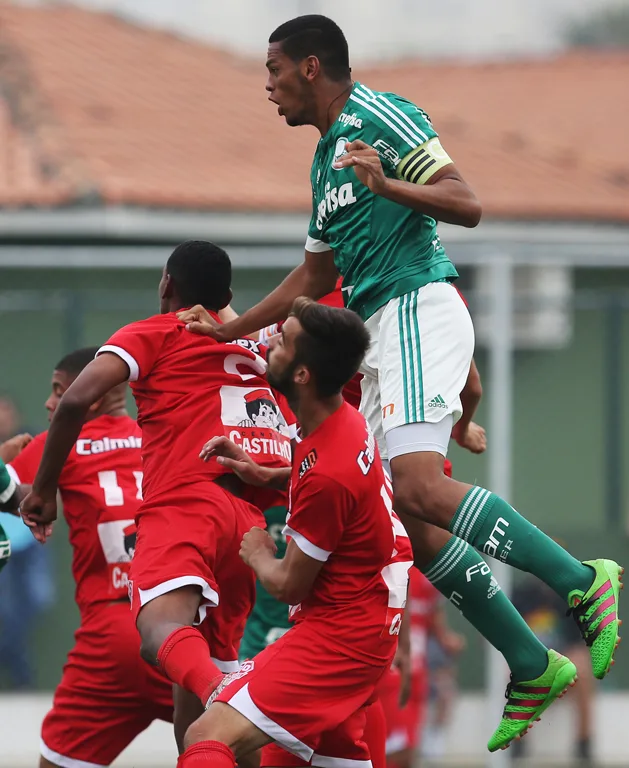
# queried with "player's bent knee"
point(223, 723)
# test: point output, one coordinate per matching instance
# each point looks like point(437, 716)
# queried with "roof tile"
point(94, 105)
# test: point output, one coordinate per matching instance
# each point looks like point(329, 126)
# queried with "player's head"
point(66, 371)
point(318, 351)
point(303, 54)
point(197, 272)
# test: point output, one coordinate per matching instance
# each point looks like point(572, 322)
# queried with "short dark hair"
point(315, 35)
point(74, 362)
point(201, 273)
point(332, 344)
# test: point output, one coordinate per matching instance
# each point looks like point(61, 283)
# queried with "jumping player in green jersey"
point(380, 181)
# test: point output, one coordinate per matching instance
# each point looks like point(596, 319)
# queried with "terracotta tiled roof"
point(94, 108)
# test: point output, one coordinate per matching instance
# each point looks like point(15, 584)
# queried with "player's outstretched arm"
point(39, 508)
point(14, 446)
point(445, 195)
point(315, 278)
point(288, 580)
point(233, 457)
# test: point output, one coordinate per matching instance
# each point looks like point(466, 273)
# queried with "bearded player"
point(380, 181)
point(107, 694)
point(344, 571)
point(191, 593)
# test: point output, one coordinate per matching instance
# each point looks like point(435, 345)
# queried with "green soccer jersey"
point(7, 489)
point(382, 249)
point(269, 619)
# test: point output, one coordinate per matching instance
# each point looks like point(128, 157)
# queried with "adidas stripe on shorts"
point(422, 346)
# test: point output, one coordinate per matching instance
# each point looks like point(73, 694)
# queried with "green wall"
point(559, 415)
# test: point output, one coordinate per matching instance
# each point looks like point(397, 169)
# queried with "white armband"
point(316, 246)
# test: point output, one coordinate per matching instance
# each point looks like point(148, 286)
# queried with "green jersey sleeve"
point(402, 134)
point(7, 484)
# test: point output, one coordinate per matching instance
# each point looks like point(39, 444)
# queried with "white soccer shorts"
point(422, 346)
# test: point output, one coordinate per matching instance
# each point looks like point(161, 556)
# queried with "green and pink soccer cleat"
point(527, 701)
point(596, 614)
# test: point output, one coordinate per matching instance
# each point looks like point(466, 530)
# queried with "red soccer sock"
point(207, 754)
point(185, 659)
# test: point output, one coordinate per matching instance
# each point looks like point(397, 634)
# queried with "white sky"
point(376, 29)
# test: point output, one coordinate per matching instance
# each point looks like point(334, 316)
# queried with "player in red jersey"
point(345, 571)
point(193, 516)
point(107, 694)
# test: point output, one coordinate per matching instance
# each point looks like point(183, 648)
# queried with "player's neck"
point(331, 105)
point(115, 410)
point(312, 412)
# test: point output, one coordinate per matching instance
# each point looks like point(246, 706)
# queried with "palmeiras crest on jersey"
point(253, 420)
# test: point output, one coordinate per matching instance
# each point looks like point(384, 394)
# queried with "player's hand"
point(198, 320)
point(402, 662)
point(366, 162)
point(255, 541)
point(39, 513)
point(452, 643)
point(233, 457)
point(13, 447)
point(473, 438)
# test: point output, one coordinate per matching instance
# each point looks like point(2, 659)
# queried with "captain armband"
point(423, 162)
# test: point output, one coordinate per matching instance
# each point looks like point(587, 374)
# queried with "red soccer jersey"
point(100, 488)
point(351, 391)
point(341, 513)
point(189, 388)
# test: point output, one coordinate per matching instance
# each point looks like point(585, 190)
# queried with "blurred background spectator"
point(26, 582)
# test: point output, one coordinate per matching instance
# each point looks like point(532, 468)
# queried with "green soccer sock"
point(495, 528)
point(461, 574)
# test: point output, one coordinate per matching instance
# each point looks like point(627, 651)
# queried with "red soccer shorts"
point(192, 536)
point(403, 725)
point(335, 743)
point(107, 695)
point(308, 695)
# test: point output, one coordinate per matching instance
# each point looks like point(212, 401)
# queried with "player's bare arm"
point(39, 508)
point(14, 446)
point(315, 278)
point(466, 432)
point(445, 196)
point(12, 504)
point(288, 580)
point(233, 457)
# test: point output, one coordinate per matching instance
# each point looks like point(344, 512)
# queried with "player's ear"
point(301, 375)
point(310, 67)
point(227, 301)
point(167, 287)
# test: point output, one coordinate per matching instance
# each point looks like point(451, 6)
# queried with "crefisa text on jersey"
point(336, 197)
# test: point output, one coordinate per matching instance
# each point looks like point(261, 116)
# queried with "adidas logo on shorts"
point(437, 402)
